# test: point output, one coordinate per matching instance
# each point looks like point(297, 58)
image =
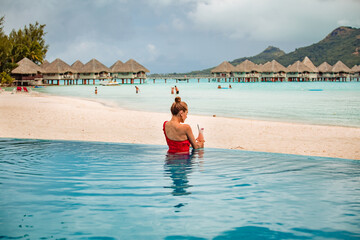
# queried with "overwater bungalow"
point(313, 75)
point(341, 72)
point(356, 72)
point(56, 71)
point(44, 64)
point(325, 72)
point(93, 70)
point(116, 69)
point(27, 73)
point(129, 70)
point(247, 71)
point(298, 72)
point(273, 72)
point(76, 66)
point(223, 70)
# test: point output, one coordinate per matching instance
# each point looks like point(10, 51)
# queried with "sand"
point(39, 116)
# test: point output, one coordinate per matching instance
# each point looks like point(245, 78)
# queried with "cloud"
point(178, 24)
point(177, 35)
point(152, 51)
point(276, 20)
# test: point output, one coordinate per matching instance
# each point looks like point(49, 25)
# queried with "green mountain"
point(268, 54)
point(341, 44)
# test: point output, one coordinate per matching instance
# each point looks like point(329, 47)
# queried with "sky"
point(169, 36)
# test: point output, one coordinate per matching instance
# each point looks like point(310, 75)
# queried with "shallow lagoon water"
point(90, 190)
point(338, 103)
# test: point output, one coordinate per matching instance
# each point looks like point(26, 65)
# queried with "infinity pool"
point(87, 190)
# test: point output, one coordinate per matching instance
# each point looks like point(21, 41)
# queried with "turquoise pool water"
point(87, 190)
point(325, 103)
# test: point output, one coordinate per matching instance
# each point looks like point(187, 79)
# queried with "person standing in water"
point(177, 90)
point(172, 90)
point(179, 136)
point(137, 89)
point(95, 90)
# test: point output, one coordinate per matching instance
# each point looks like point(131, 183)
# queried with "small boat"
point(108, 83)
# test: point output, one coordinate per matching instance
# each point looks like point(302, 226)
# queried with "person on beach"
point(230, 86)
point(137, 89)
point(172, 90)
point(177, 90)
point(95, 90)
point(179, 136)
point(219, 87)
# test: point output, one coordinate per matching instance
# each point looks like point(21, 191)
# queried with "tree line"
point(27, 42)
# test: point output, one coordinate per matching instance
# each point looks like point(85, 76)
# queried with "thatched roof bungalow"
point(247, 71)
point(77, 65)
point(94, 70)
point(355, 69)
point(246, 67)
point(44, 64)
point(356, 72)
point(58, 69)
point(26, 67)
point(117, 69)
point(341, 71)
point(116, 66)
point(273, 72)
point(340, 67)
point(225, 69)
point(324, 68)
point(313, 75)
point(298, 72)
point(273, 67)
point(128, 70)
point(298, 67)
point(310, 65)
point(325, 71)
point(27, 72)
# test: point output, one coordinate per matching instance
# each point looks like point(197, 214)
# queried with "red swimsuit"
point(176, 146)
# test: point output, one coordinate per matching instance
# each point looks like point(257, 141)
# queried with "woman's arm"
point(195, 144)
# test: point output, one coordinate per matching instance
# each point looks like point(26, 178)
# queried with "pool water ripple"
point(87, 190)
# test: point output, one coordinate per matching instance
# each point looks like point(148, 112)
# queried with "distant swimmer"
point(95, 90)
point(137, 89)
point(177, 90)
point(172, 90)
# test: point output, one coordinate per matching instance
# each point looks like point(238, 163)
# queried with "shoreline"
point(49, 117)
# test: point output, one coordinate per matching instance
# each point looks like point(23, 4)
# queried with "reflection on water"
point(87, 190)
point(178, 167)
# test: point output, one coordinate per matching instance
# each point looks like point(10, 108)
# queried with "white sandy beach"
point(38, 116)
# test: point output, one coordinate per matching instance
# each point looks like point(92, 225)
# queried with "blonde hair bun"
point(178, 99)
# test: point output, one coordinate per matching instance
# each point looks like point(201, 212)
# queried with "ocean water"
point(324, 103)
point(89, 190)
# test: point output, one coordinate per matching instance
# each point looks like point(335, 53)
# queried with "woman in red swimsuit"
point(180, 136)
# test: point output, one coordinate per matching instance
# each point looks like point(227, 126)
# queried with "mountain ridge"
point(343, 44)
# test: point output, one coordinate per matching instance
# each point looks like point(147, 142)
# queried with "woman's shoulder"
point(185, 126)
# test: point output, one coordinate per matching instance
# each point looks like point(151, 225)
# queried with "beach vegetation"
point(5, 79)
point(28, 42)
